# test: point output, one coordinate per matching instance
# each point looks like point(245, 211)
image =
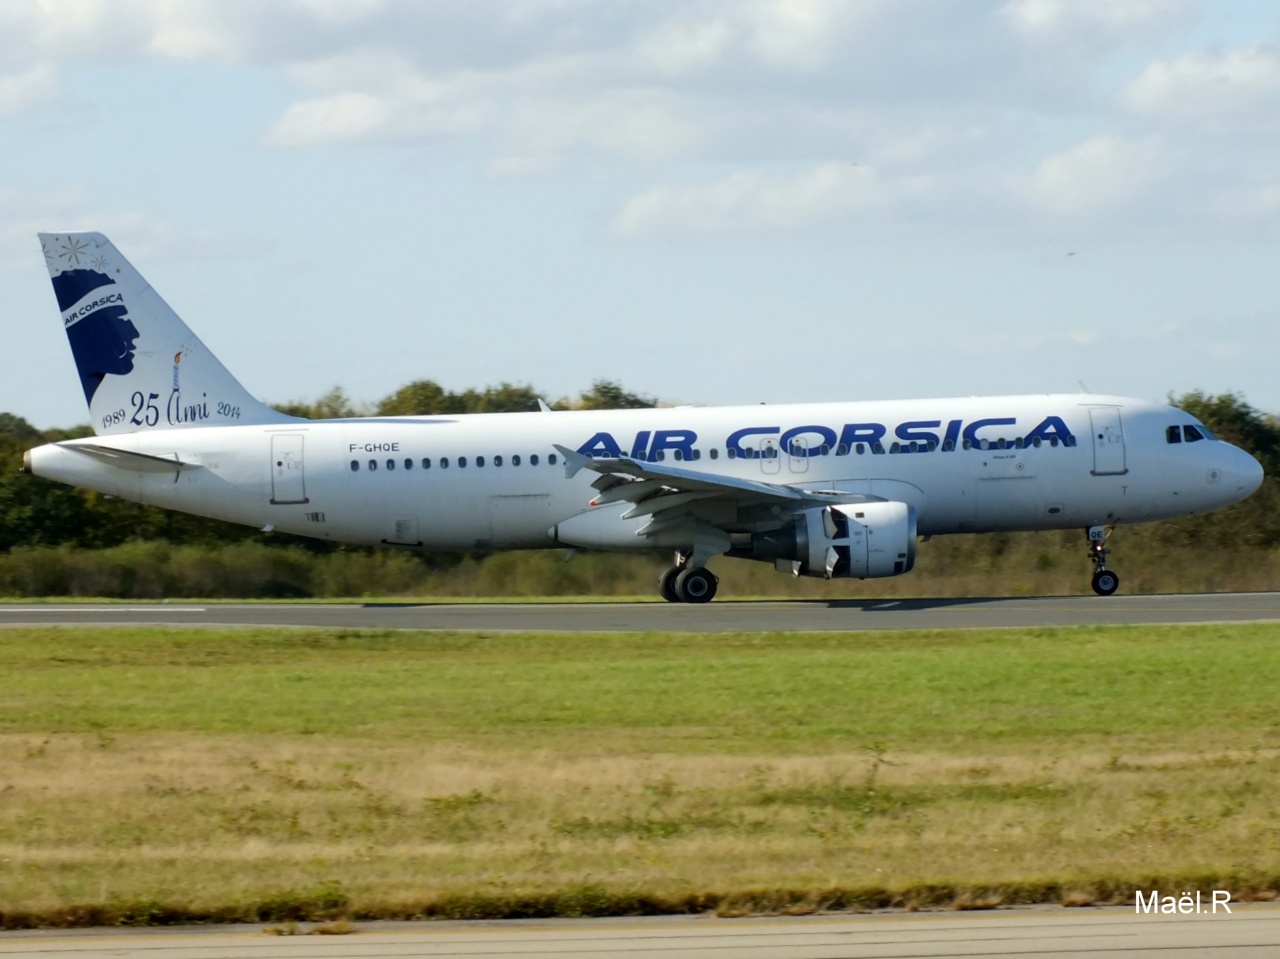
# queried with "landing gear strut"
point(685, 583)
point(1105, 582)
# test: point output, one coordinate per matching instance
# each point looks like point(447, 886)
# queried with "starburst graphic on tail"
point(73, 250)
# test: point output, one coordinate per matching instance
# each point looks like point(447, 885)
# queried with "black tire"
point(667, 584)
point(696, 585)
point(1105, 582)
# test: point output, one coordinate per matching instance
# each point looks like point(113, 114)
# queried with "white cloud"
point(21, 91)
point(1243, 83)
point(374, 95)
point(798, 35)
point(748, 202)
point(1058, 19)
point(536, 111)
point(1097, 176)
point(1256, 202)
point(639, 124)
point(339, 11)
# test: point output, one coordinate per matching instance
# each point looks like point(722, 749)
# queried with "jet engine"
point(859, 540)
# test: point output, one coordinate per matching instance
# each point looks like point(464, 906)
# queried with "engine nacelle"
point(859, 540)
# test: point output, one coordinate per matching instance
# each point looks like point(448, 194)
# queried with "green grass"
point(152, 775)
point(738, 692)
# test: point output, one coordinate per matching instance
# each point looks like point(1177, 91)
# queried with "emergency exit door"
point(288, 484)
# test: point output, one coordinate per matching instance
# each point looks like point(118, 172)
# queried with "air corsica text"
point(71, 316)
point(816, 440)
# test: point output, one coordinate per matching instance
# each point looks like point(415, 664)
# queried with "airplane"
point(827, 490)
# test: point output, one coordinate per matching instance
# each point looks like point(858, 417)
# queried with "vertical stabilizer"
point(140, 367)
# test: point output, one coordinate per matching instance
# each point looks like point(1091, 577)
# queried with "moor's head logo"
point(102, 335)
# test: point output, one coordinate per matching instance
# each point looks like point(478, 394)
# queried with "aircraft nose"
point(1246, 471)
point(1244, 474)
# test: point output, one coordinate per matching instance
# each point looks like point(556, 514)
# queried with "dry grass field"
point(151, 776)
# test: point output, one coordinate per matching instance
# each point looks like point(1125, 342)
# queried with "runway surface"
point(1249, 931)
point(723, 616)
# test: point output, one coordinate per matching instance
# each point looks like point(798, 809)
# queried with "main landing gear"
point(684, 583)
point(1105, 582)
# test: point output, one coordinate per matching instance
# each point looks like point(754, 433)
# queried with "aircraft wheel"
point(696, 585)
point(1105, 582)
point(667, 584)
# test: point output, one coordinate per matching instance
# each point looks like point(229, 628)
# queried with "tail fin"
point(140, 366)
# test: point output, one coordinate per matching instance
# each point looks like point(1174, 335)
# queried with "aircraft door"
point(288, 484)
point(770, 462)
point(798, 455)
point(1108, 441)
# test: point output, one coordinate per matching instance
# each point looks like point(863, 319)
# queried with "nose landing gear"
point(1105, 582)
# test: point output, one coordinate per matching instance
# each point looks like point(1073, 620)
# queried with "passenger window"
point(877, 448)
point(552, 459)
point(678, 454)
point(391, 464)
point(860, 448)
point(731, 453)
point(408, 464)
point(426, 463)
point(1173, 434)
point(479, 461)
point(355, 466)
point(444, 462)
point(533, 460)
point(462, 462)
point(497, 460)
point(373, 466)
point(1192, 434)
point(515, 460)
point(715, 453)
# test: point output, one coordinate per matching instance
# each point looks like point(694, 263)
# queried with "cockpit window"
point(1173, 434)
point(1191, 433)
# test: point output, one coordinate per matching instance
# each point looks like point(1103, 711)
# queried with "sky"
point(709, 201)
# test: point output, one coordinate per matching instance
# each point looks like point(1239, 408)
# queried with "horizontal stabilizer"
point(128, 460)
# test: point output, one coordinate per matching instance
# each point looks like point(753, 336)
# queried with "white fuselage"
point(495, 481)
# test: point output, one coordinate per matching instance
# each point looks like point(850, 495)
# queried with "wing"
point(672, 495)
